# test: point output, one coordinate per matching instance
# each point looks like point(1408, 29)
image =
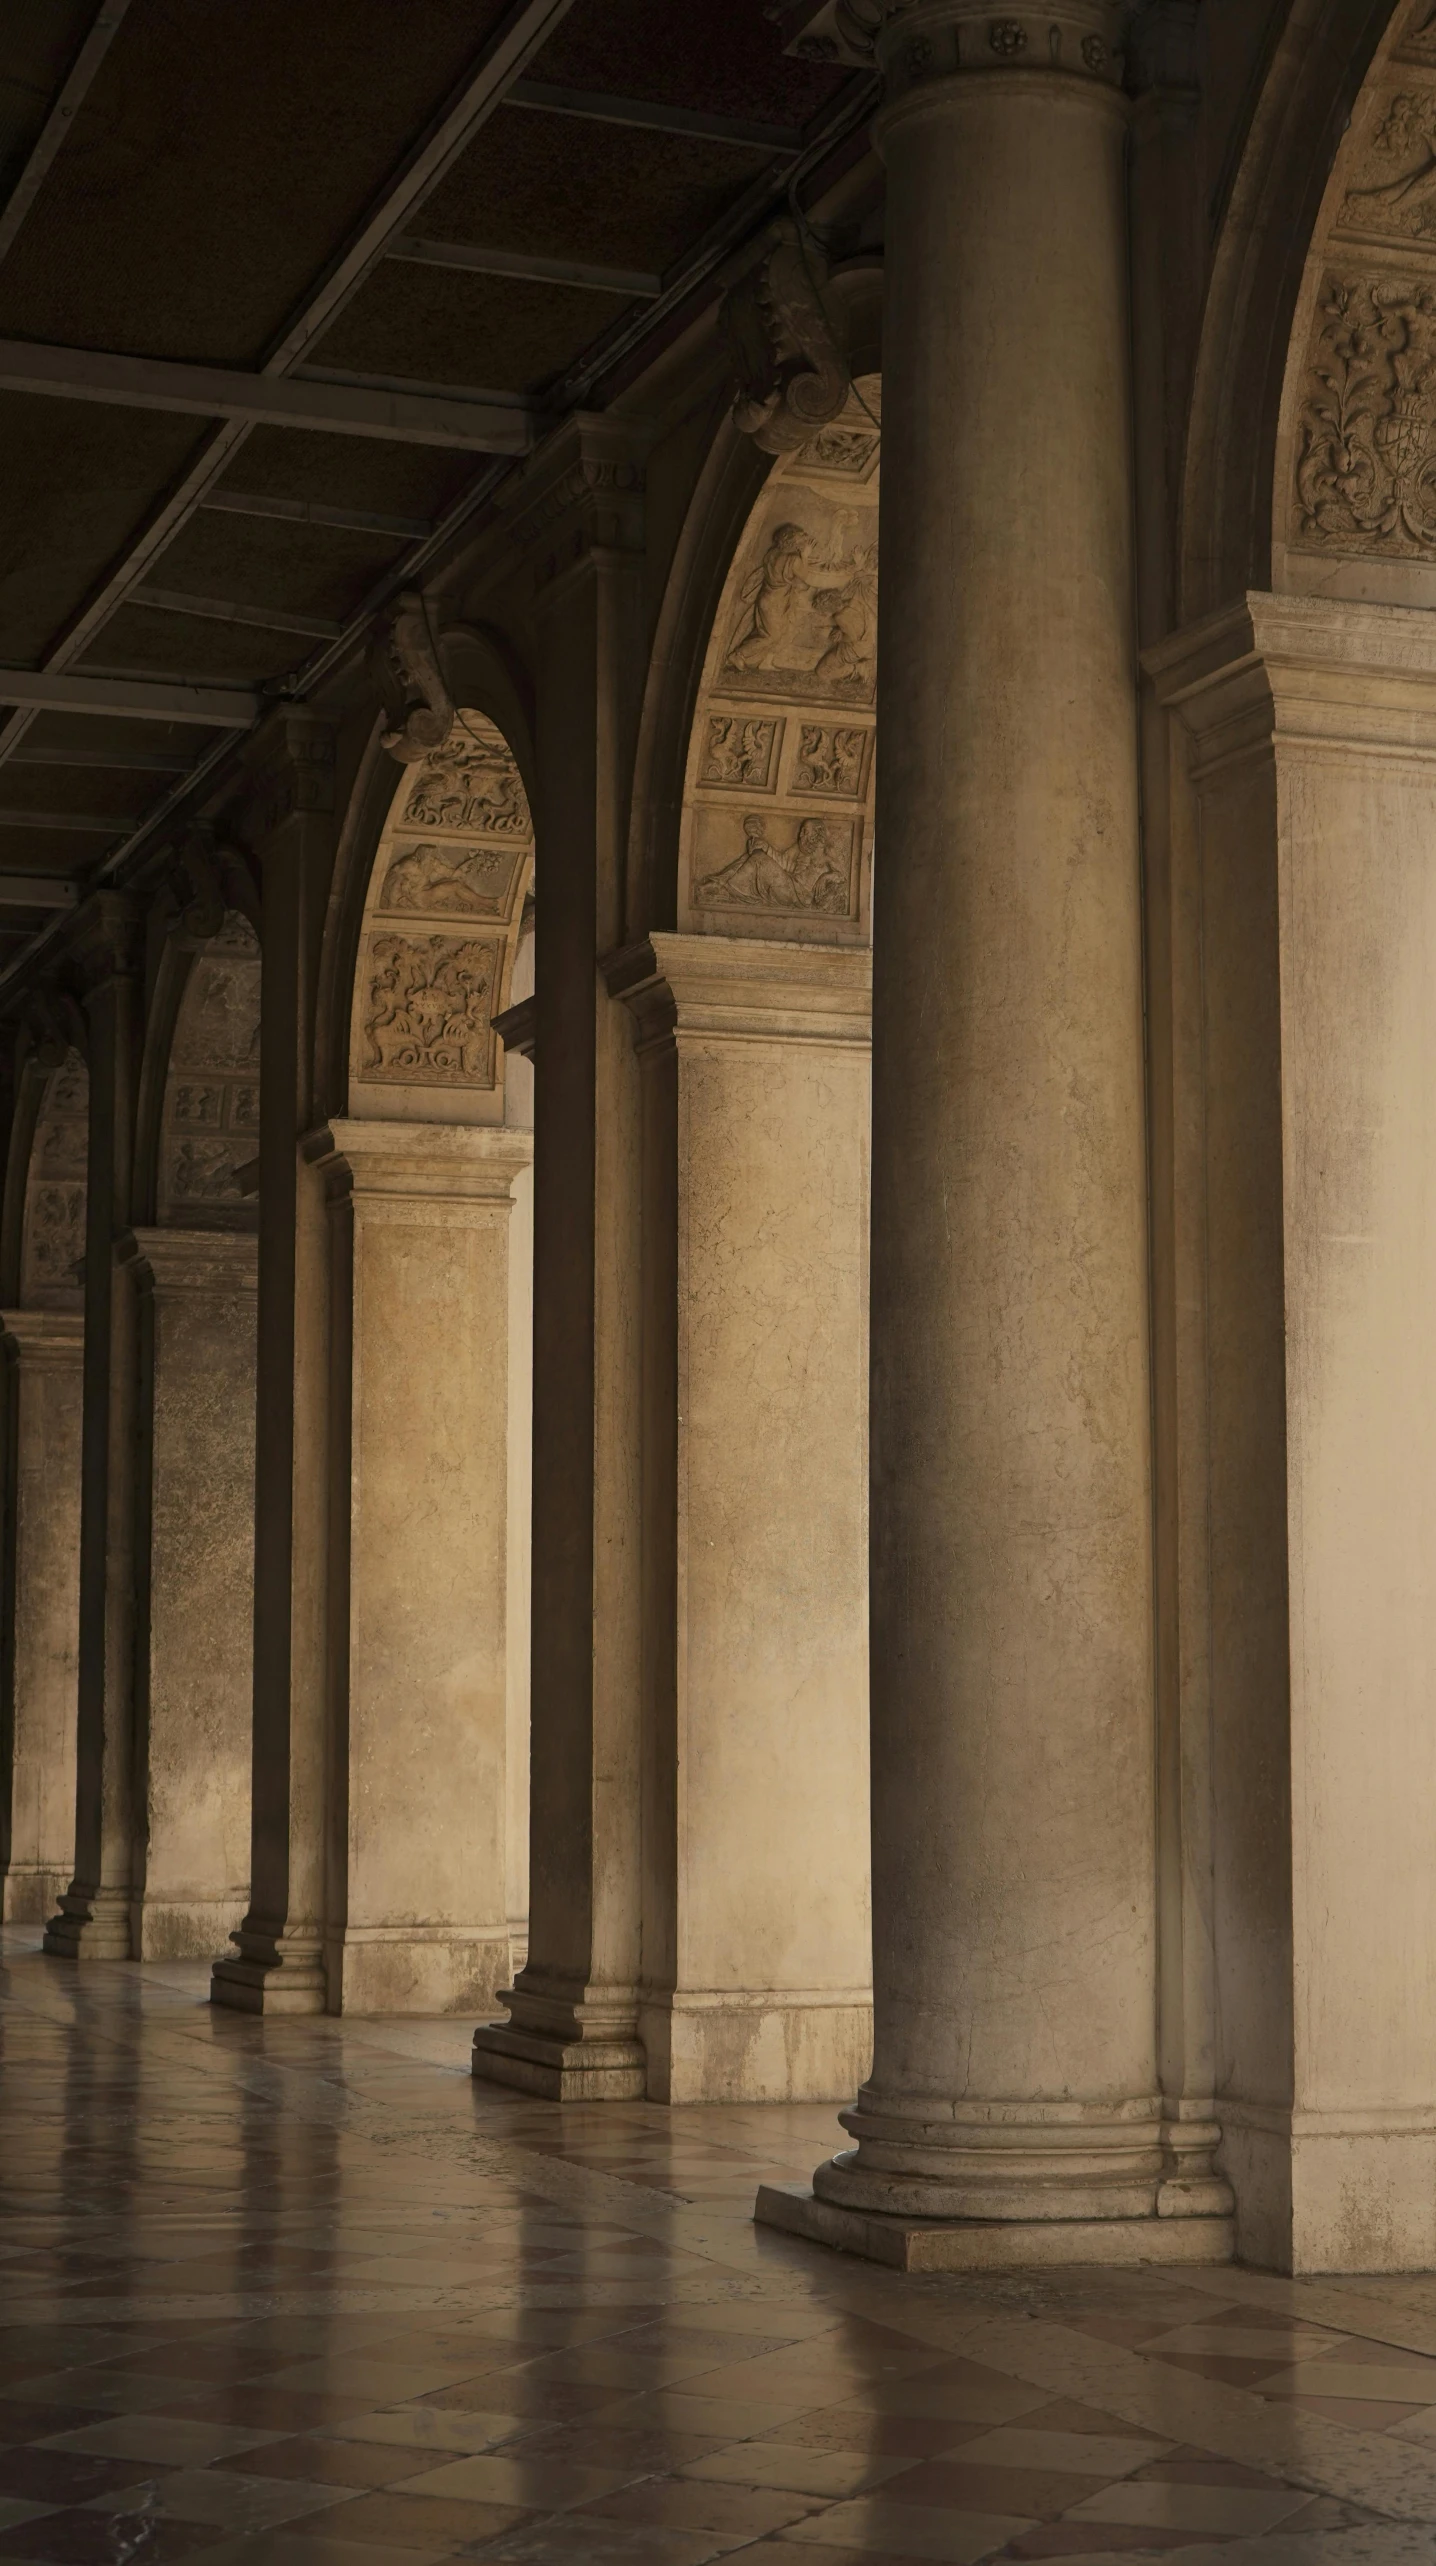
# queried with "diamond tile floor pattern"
point(301, 2294)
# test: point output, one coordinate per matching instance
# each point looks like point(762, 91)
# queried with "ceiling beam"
point(138, 699)
point(68, 100)
point(317, 512)
point(37, 891)
point(148, 761)
point(632, 282)
point(222, 610)
point(83, 821)
point(488, 426)
point(599, 109)
point(527, 25)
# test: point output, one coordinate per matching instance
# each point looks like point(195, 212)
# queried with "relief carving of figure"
point(458, 878)
point(847, 661)
point(1407, 202)
point(470, 786)
point(773, 597)
point(1366, 471)
point(55, 1235)
point(809, 873)
point(427, 1021)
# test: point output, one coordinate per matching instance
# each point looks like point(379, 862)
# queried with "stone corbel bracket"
point(411, 680)
point(208, 875)
point(792, 371)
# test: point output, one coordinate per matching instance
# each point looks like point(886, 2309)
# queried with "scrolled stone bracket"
point(793, 375)
point(412, 681)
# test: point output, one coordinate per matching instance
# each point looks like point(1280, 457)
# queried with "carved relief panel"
point(53, 1246)
point(435, 955)
point(777, 825)
point(1358, 505)
point(210, 1128)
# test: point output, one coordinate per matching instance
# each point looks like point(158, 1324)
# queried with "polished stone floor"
point(300, 2294)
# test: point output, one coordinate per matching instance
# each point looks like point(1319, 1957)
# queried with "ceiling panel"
point(722, 55)
point(612, 194)
point(221, 157)
point(75, 481)
point(355, 472)
point(437, 325)
point(139, 642)
point(309, 570)
point(124, 795)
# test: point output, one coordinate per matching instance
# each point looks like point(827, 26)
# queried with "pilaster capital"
point(744, 989)
point(183, 1260)
point(50, 1339)
point(415, 1163)
point(582, 494)
point(292, 771)
point(1273, 673)
point(921, 44)
point(104, 943)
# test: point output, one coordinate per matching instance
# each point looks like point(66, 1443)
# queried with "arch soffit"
point(204, 1110)
point(487, 680)
point(32, 1076)
point(1275, 208)
point(51, 1225)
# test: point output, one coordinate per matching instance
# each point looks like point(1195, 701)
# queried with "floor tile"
point(1392, 2383)
point(905, 2530)
point(234, 2501)
point(438, 2523)
point(1095, 2454)
point(536, 2487)
point(833, 2473)
point(162, 2438)
point(1231, 2511)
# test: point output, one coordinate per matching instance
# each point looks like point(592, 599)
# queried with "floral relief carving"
point(807, 864)
point(832, 759)
point(426, 1017)
point(806, 624)
point(470, 784)
point(473, 881)
point(1366, 465)
point(849, 454)
point(740, 751)
point(212, 1093)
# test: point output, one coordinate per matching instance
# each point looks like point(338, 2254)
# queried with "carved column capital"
point(582, 495)
point(293, 772)
point(105, 942)
point(921, 43)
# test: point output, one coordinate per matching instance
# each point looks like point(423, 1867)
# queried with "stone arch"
point(440, 931)
point(430, 1193)
point(44, 1340)
point(1277, 202)
point(776, 836)
point(52, 1243)
point(209, 1113)
point(1354, 485)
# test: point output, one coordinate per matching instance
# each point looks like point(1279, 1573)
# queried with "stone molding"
point(733, 989)
point(438, 1163)
point(104, 944)
point(53, 1339)
point(182, 1260)
point(581, 496)
point(1310, 671)
point(293, 772)
point(925, 45)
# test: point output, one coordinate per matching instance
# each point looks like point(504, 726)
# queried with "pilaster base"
point(29, 1895)
point(90, 1928)
point(565, 2048)
point(417, 1969)
point(991, 2245)
point(756, 2046)
point(270, 1975)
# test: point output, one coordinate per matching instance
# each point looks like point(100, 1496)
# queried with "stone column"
point(279, 1967)
point(196, 1663)
point(757, 1955)
point(1013, 2097)
point(1307, 727)
point(418, 1896)
point(47, 1359)
point(573, 2029)
point(94, 1920)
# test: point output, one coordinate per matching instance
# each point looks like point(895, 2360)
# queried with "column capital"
point(51, 1337)
point(105, 943)
point(1291, 670)
point(922, 44)
point(292, 773)
point(420, 1162)
point(582, 495)
point(742, 989)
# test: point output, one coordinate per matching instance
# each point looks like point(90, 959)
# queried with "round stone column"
point(1012, 1702)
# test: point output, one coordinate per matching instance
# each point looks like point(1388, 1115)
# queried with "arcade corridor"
point(304, 2294)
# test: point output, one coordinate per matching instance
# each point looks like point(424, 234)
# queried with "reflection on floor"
point(299, 2294)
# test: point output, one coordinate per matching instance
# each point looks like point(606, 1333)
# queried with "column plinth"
point(1011, 2114)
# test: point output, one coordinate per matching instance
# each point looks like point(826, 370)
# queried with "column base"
point(565, 2049)
point(992, 2245)
point(271, 1974)
point(94, 1927)
point(756, 2045)
point(417, 1969)
point(30, 1894)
